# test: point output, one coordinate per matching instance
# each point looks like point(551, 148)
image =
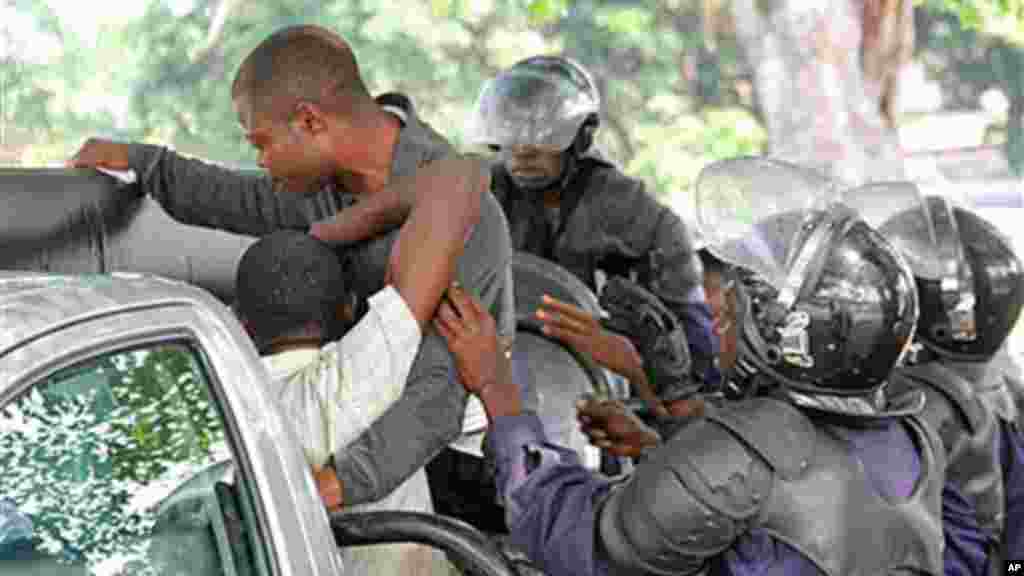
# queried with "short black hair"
point(286, 280)
point(300, 63)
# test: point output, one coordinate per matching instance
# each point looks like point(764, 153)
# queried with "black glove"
point(657, 333)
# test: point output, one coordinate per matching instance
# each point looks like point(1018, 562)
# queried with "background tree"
point(684, 81)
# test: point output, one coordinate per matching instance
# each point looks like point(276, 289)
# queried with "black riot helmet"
point(827, 307)
point(969, 280)
point(547, 103)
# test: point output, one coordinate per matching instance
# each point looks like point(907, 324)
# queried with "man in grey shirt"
point(326, 143)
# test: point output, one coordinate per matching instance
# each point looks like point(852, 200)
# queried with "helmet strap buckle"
point(960, 306)
point(794, 341)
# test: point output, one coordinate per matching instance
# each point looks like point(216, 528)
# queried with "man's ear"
point(310, 117)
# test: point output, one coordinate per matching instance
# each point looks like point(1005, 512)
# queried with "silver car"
point(137, 437)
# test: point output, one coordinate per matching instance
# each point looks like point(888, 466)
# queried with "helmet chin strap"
point(538, 185)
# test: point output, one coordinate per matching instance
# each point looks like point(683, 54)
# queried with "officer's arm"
point(550, 498)
point(684, 505)
point(1012, 444)
point(445, 205)
point(201, 194)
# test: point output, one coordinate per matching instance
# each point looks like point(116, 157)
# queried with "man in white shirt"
point(330, 393)
point(290, 286)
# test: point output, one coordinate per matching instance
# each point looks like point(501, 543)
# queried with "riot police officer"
point(812, 468)
point(970, 285)
point(566, 203)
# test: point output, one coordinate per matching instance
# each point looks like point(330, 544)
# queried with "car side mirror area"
point(468, 548)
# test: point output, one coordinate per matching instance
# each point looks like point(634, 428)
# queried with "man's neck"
point(374, 155)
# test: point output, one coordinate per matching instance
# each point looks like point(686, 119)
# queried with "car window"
point(122, 465)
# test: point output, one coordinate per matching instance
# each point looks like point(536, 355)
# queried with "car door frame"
point(293, 523)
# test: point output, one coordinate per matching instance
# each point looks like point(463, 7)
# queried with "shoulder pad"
point(1011, 409)
point(691, 498)
point(612, 184)
point(646, 320)
point(776, 430)
point(954, 388)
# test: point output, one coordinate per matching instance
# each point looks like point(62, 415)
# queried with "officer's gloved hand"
point(657, 333)
point(584, 333)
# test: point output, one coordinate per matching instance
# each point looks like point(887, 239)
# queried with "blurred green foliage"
point(673, 98)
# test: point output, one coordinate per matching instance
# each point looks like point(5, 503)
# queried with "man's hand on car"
point(100, 153)
point(329, 487)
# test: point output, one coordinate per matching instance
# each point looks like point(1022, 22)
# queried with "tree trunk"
point(826, 74)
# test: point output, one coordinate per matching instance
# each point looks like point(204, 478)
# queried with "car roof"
point(33, 303)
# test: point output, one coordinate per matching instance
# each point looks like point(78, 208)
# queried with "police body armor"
point(971, 288)
point(969, 430)
point(1002, 389)
point(609, 226)
point(752, 465)
point(825, 309)
point(608, 222)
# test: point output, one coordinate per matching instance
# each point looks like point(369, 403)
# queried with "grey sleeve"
point(427, 417)
point(201, 194)
point(429, 414)
point(679, 275)
point(492, 275)
point(678, 281)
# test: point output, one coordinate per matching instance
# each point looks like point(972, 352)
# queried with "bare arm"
point(374, 214)
point(430, 412)
point(446, 205)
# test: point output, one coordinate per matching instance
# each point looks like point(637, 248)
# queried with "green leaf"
point(541, 12)
point(626, 20)
point(970, 16)
point(441, 8)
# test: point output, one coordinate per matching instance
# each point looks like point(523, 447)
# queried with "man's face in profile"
point(289, 146)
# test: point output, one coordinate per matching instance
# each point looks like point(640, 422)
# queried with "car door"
point(142, 443)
